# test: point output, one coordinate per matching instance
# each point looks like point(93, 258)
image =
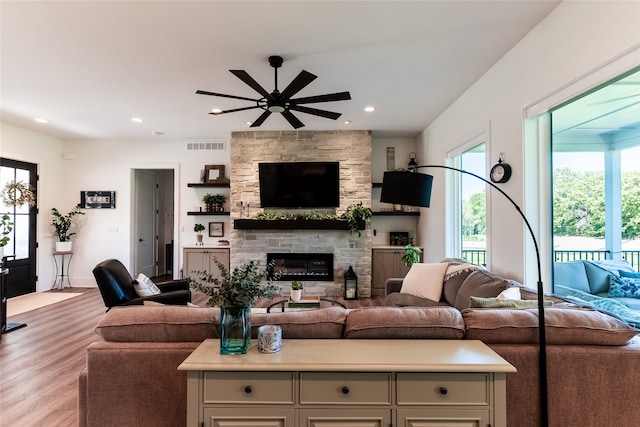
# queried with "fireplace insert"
point(302, 266)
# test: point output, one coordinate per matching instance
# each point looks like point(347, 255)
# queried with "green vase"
point(235, 330)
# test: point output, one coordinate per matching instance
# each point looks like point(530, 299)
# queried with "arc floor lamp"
point(414, 189)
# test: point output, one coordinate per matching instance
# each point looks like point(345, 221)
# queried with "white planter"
point(1, 253)
point(63, 246)
point(296, 294)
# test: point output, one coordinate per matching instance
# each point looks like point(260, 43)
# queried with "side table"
point(60, 274)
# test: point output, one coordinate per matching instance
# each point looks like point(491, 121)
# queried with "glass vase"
point(235, 330)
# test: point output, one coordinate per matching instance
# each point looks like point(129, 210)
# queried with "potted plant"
point(355, 214)
point(62, 225)
point(296, 290)
point(198, 228)
point(235, 293)
point(6, 226)
point(214, 202)
point(411, 255)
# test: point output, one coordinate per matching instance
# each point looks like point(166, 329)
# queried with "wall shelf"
point(205, 213)
point(298, 224)
point(209, 185)
point(396, 213)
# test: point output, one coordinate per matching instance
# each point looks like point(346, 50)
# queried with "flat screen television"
point(299, 184)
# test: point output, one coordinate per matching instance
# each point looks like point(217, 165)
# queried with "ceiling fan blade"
point(297, 84)
point(204, 92)
point(316, 112)
point(339, 96)
point(260, 120)
point(245, 77)
point(293, 120)
point(217, 113)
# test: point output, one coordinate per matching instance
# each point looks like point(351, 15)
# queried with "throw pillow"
point(633, 274)
point(425, 280)
point(512, 293)
point(624, 287)
point(456, 274)
point(145, 287)
point(480, 283)
point(506, 303)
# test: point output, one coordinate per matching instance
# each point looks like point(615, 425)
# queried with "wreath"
point(17, 193)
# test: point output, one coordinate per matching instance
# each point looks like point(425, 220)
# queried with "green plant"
point(411, 255)
point(62, 223)
point(295, 285)
point(242, 288)
point(198, 228)
point(354, 214)
point(6, 226)
point(213, 199)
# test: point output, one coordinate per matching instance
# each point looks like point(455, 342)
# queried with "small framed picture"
point(399, 238)
point(213, 173)
point(98, 199)
point(216, 229)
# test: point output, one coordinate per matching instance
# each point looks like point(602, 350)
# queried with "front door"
point(21, 248)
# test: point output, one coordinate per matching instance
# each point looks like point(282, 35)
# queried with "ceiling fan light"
point(276, 108)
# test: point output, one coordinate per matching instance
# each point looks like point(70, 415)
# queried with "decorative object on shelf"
point(296, 290)
point(213, 173)
point(17, 194)
point(412, 162)
point(399, 238)
point(216, 229)
point(198, 228)
point(412, 188)
point(411, 255)
point(354, 214)
point(235, 293)
point(62, 225)
point(350, 284)
point(98, 199)
point(214, 202)
point(500, 172)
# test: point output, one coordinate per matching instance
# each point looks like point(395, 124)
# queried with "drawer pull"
point(443, 391)
point(248, 389)
point(345, 390)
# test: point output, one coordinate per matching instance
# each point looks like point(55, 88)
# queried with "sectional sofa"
point(131, 377)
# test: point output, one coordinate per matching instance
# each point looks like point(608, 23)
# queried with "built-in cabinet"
point(201, 258)
point(386, 263)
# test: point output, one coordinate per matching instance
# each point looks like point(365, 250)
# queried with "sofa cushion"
point(633, 274)
point(404, 323)
point(571, 274)
point(563, 327)
point(625, 287)
point(457, 272)
point(321, 323)
point(425, 280)
point(159, 324)
point(598, 277)
point(396, 299)
point(480, 283)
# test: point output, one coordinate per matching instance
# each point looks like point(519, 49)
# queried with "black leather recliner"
point(116, 287)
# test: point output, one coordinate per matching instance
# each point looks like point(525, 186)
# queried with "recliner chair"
point(116, 286)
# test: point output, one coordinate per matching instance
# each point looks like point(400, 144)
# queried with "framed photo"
point(98, 199)
point(399, 238)
point(216, 229)
point(213, 173)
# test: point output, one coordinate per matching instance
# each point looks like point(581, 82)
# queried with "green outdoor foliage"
point(62, 223)
point(474, 216)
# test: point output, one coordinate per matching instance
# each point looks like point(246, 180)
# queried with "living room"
point(501, 106)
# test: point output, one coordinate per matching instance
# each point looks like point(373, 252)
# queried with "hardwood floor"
point(39, 364)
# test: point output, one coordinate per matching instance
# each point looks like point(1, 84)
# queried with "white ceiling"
point(88, 67)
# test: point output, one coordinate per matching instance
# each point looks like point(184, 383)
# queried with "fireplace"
point(302, 266)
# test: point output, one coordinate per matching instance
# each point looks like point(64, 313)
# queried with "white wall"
point(575, 39)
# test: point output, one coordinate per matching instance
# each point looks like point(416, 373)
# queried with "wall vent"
point(206, 146)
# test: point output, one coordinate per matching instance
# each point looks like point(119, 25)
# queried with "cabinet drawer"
point(364, 388)
point(249, 387)
point(443, 389)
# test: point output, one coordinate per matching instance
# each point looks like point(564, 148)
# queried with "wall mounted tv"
point(299, 184)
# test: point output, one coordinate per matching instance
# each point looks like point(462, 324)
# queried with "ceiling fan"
point(281, 102)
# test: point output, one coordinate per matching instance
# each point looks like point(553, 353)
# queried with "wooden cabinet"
point(202, 259)
point(386, 263)
point(359, 383)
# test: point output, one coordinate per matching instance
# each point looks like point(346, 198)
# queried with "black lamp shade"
point(406, 188)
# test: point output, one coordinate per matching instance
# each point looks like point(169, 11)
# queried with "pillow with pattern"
point(628, 287)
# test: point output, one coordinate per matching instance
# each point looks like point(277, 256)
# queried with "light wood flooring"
point(39, 364)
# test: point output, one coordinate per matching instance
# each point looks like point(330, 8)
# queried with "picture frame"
point(98, 199)
point(213, 173)
point(399, 238)
point(216, 229)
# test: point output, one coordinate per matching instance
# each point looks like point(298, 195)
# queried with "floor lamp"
point(414, 189)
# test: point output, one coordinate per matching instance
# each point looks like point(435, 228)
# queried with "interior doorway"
point(153, 221)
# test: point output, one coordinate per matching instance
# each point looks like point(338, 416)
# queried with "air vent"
point(206, 146)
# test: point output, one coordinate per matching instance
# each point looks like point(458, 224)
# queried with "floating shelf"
point(204, 185)
point(396, 213)
point(297, 224)
point(205, 213)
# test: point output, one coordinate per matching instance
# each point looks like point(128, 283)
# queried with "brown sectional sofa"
point(131, 377)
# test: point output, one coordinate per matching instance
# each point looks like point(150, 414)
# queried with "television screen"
point(299, 185)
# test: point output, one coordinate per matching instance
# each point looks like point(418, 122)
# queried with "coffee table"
point(283, 305)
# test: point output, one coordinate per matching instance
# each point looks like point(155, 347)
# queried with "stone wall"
point(353, 150)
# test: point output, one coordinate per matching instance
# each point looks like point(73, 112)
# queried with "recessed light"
point(347, 122)
point(157, 133)
point(39, 120)
point(216, 111)
point(136, 119)
point(249, 123)
point(369, 108)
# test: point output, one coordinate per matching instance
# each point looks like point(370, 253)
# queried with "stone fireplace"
point(352, 149)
